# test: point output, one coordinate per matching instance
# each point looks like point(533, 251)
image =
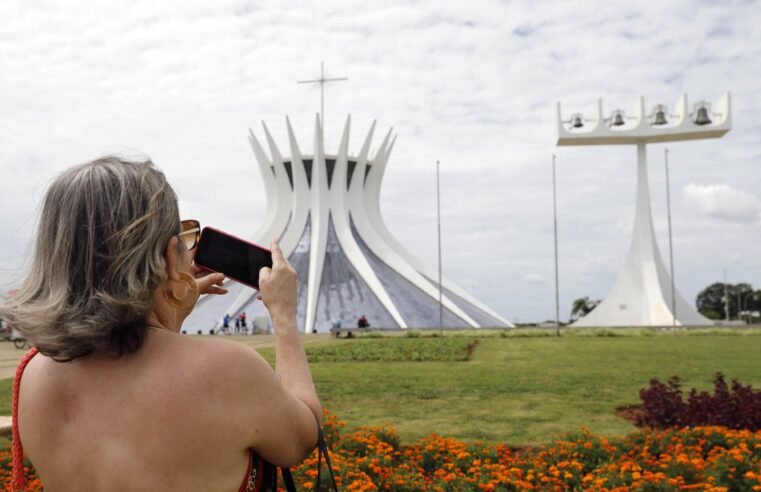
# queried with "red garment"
point(251, 482)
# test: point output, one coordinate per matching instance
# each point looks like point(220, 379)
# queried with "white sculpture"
point(642, 293)
point(326, 211)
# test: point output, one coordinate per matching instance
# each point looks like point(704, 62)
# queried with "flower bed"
point(374, 458)
point(706, 459)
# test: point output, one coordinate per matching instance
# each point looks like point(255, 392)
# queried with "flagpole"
point(671, 247)
point(438, 215)
point(555, 221)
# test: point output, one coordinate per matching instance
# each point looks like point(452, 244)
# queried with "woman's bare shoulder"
point(224, 363)
point(218, 350)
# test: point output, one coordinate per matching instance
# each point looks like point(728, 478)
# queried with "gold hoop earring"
point(181, 293)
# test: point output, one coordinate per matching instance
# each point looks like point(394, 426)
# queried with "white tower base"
point(641, 295)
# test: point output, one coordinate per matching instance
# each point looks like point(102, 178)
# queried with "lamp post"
point(671, 247)
point(555, 223)
point(438, 216)
point(642, 293)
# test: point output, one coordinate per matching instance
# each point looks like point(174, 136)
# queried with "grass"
point(528, 390)
point(6, 390)
point(516, 388)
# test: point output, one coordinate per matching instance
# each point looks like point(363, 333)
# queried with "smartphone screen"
point(236, 258)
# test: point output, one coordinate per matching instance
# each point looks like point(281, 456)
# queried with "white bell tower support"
point(642, 293)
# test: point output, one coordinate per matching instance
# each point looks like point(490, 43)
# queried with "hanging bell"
point(618, 119)
point(577, 123)
point(660, 116)
point(701, 116)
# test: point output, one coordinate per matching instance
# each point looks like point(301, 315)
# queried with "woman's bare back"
point(152, 420)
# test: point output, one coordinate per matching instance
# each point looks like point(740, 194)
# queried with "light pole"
point(555, 222)
point(640, 295)
point(671, 247)
point(438, 215)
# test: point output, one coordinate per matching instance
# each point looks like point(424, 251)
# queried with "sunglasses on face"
point(191, 233)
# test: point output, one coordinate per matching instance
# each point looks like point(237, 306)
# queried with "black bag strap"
point(323, 450)
point(290, 486)
point(288, 481)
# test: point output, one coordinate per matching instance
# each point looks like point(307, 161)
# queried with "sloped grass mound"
point(394, 350)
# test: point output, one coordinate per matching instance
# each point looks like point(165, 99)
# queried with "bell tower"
point(642, 295)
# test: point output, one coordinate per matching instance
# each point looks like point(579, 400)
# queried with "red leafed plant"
point(734, 406)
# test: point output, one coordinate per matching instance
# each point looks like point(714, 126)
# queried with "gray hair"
point(99, 256)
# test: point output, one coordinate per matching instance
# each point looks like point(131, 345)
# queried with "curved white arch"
point(320, 218)
point(300, 197)
point(338, 205)
point(270, 188)
point(372, 205)
point(371, 227)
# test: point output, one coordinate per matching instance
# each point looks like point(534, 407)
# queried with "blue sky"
point(472, 84)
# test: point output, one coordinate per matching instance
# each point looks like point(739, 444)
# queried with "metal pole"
point(555, 219)
point(671, 247)
point(438, 214)
point(726, 297)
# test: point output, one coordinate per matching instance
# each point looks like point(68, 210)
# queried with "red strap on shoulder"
point(260, 474)
point(19, 480)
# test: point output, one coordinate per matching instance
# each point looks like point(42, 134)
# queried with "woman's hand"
point(277, 285)
point(208, 283)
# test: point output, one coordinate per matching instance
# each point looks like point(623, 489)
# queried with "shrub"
point(735, 406)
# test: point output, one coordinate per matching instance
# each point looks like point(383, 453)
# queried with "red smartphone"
point(238, 259)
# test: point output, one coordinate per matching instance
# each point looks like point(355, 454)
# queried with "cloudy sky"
point(473, 84)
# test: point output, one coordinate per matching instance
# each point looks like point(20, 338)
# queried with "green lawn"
point(517, 390)
point(525, 391)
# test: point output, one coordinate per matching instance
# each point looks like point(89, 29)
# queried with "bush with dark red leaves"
point(734, 406)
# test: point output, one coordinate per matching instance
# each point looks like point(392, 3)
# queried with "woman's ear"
point(172, 257)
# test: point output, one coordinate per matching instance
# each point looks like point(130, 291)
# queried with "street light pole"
point(438, 215)
point(555, 219)
point(671, 247)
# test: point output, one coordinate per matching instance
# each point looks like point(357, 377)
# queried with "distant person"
point(362, 322)
point(243, 320)
point(226, 321)
point(109, 398)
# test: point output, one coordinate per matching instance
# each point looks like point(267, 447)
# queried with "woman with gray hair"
point(117, 399)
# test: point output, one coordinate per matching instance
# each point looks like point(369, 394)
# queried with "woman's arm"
point(282, 407)
point(278, 292)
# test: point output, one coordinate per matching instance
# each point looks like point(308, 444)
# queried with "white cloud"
point(534, 278)
point(721, 201)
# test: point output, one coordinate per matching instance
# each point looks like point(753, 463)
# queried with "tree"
point(710, 301)
point(582, 306)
